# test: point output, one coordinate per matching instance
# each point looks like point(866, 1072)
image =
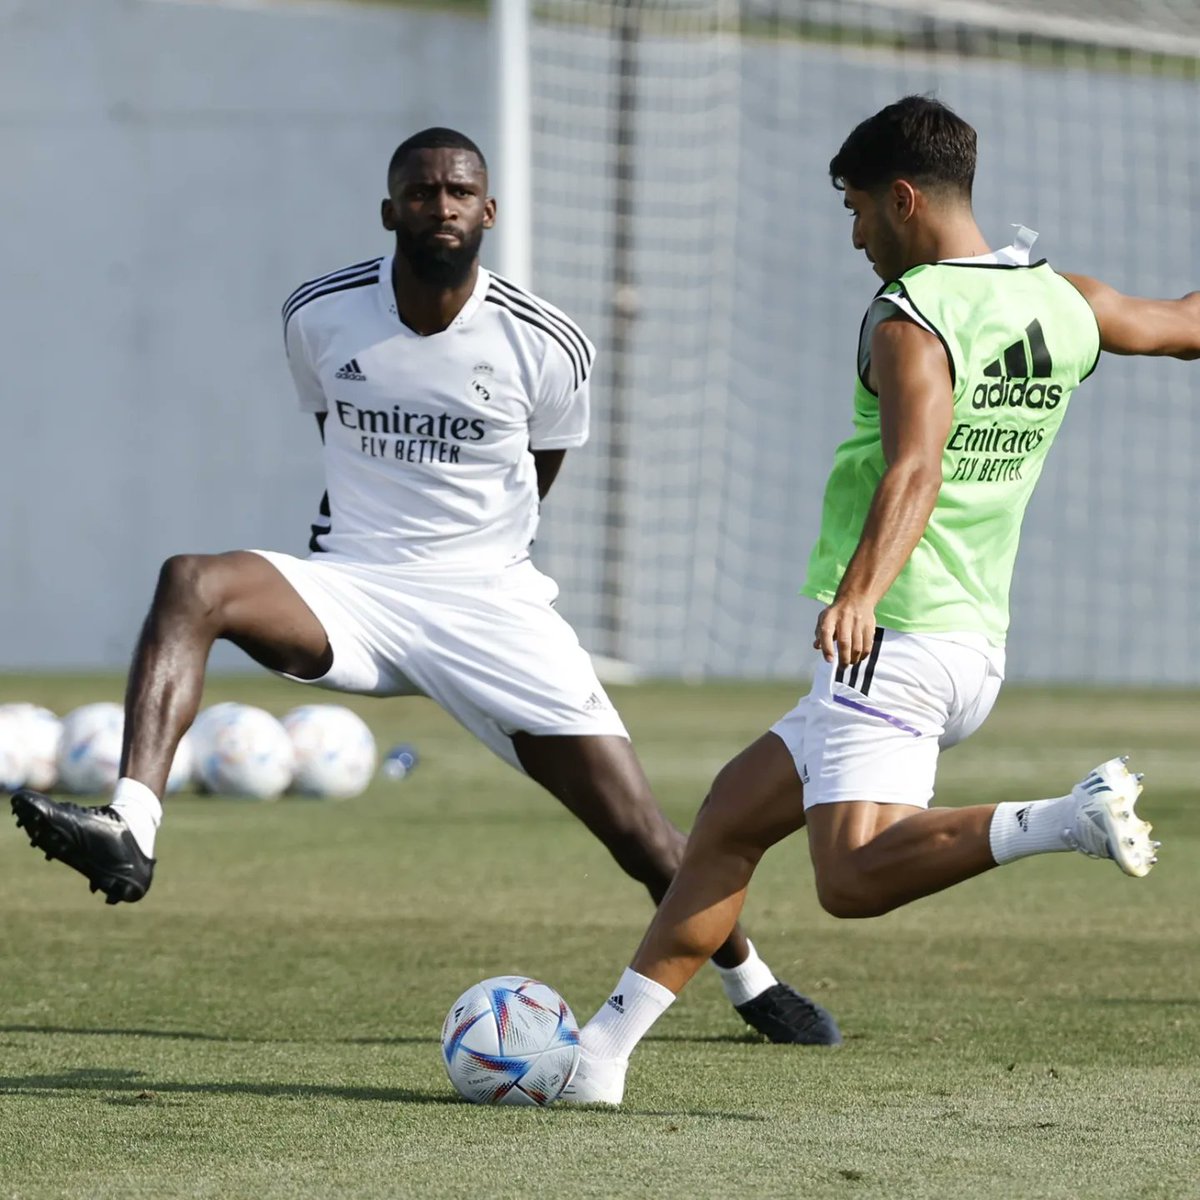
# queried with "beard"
point(436, 263)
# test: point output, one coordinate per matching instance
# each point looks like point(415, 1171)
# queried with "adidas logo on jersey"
point(351, 371)
point(595, 703)
point(1027, 359)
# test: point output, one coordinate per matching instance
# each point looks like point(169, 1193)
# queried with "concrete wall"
point(173, 170)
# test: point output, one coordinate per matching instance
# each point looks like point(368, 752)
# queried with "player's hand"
point(845, 631)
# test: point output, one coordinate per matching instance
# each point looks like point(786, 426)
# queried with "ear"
point(387, 215)
point(904, 199)
point(489, 212)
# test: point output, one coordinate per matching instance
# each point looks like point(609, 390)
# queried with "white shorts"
point(873, 732)
point(492, 652)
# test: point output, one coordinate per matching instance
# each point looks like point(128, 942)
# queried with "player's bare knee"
point(188, 588)
point(849, 894)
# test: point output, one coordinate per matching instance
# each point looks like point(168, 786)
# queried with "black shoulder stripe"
point(306, 291)
point(940, 336)
point(520, 296)
point(321, 281)
point(318, 280)
point(578, 370)
point(368, 281)
point(560, 320)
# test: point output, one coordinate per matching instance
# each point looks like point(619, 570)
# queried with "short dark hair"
point(434, 138)
point(917, 138)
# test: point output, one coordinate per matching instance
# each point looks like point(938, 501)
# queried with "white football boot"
point(1106, 825)
point(596, 1081)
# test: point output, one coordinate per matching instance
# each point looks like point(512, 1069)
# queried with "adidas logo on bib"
point(1021, 376)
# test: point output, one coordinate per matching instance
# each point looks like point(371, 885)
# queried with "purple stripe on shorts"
point(875, 712)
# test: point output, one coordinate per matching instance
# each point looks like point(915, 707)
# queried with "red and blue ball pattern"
point(510, 1040)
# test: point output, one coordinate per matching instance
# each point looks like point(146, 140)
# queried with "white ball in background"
point(242, 751)
point(198, 736)
point(43, 732)
point(89, 753)
point(209, 716)
point(335, 751)
point(14, 751)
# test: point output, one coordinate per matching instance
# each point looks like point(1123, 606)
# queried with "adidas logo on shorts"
point(595, 703)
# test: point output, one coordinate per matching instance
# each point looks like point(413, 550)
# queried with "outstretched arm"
point(916, 404)
point(1131, 325)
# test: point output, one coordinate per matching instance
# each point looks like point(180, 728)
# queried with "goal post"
point(685, 218)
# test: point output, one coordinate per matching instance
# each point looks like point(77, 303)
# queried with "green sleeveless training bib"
point(1019, 340)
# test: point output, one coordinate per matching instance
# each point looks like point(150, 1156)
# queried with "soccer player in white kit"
point(446, 398)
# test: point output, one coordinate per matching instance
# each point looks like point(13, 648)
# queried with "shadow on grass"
point(131, 1088)
point(192, 1035)
point(748, 1038)
point(123, 1081)
point(1150, 1002)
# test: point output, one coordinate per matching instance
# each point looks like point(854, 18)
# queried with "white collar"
point(1015, 255)
point(474, 301)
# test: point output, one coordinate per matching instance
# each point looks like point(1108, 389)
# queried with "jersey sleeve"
point(308, 386)
point(561, 409)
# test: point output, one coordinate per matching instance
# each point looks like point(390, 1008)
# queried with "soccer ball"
point(510, 1040)
point(89, 752)
point(242, 751)
point(43, 733)
point(335, 752)
point(39, 731)
point(14, 751)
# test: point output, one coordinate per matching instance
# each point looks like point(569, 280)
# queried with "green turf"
point(265, 1024)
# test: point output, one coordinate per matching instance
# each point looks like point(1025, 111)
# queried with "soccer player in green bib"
point(967, 360)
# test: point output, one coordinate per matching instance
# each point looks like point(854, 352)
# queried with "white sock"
point(626, 1016)
point(1034, 827)
point(141, 811)
point(747, 980)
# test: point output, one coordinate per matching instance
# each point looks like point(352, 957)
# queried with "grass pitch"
point(265, 1024)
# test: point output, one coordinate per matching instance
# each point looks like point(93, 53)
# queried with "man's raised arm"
point(1131, 325)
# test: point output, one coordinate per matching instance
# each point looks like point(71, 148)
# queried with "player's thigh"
point(837, 830)
point(252, 605)
point(506, 664)
point(756, 800)
point(369, 621)
point(599, 779)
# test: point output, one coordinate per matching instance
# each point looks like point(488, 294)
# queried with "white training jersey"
point(428, 439)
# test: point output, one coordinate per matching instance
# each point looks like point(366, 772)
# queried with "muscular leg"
point(871, 858)
point(601, 781)
point(237, 596)
point(755, 801)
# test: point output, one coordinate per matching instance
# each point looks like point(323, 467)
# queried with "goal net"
point(683, 215)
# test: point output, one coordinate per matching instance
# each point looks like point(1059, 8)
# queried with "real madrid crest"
point(482, 381)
